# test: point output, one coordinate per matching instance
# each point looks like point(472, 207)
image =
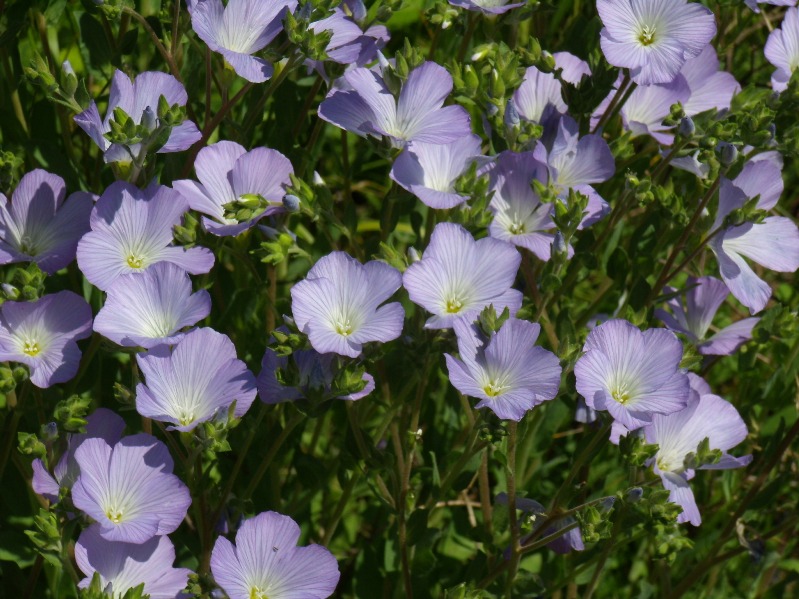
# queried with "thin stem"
point(170, 61)
point(340, 506)
point(267, 461)
point(616, 103)
point(512, 515)
point(581, 459)
point(472, 25)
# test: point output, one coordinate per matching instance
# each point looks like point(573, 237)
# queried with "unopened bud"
point(687, 127)
point(728, 153)
point(634, 494)
point(291, 202)
point(559, 243)
point(512, 118)
point(148, 119)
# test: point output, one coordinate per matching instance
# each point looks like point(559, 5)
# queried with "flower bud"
point(148, 119)
point(291, 202)
point(728, 153)
point(687, 127)
point(512, 118)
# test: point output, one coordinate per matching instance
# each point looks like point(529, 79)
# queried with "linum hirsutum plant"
point(512, 280)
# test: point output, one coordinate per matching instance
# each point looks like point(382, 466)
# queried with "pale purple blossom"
point(103, 424)
point(151, 307)
point(571, 540)
point(129, 488)
point(782, 50)
point(132, 230)
point(710, 87)
point(488, 7)
point(228, 173)
point(123, 566)
point(539, 98)
point(653, 38)
point(365, 106)
point(350, 42)
point(239, 30)
point(649, 105)
point(316, 371)
point(680, 433)
point(632, 374)
point(338, 304)
point(194, 381)
point(43, 335)
point(507, 372)
point(266, 562)
point(576, 162)
point(457, 276)
point(39, 226)
point(520, 217)
point(753, 4)
point(703, 297)
point(135, 98)
point(429, 171)
point(773, 243)
point(573, 67)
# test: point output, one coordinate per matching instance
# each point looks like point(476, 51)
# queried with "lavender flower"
point(572, 540)
point(753, 4)
point(39, 226)
point(632, 374)
point(132, 230)
point(367, 107)
point(317, 372)
point(649, 105)
point(129, 489)
point(539, 98)
point(338, 304)
point(653, 38)
point(782, 49)
point(42, 335)
point(136, 97)
point(350, 43)
point(266, 562)
point(239, 30)
point(573, 69)
point(123, 566)
point(575, 162)
point(151, 307)
point(703, 298)
point(228, 174)
point(429, 171)
point(487, 7)
point(709, 86)
point(507, 372)
point(520, 217)
point(193, 382)
point(457, 276)
point(101, 424)
point(773, 243)
point(678, 434)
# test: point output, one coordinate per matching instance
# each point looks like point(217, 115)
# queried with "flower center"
point(343, 327)
point(256, 593)
point(31, 348)
point(494, 388)
point(27, 246)
point(454, 305)
point(135, 261)
point(186, 417)
point(114, 515)
point(621, 395)
point(647, 35)
point(516, 227)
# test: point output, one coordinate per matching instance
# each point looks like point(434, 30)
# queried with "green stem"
point(619, 98)
point(267, 461)
point(512, 512)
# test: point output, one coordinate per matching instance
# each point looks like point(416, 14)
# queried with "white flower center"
point(646, 35)
point(31, 347)
point(454, 305)
point(256, 593)
point(135, 261)
point(114, 514)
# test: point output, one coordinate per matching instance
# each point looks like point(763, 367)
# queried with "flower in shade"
point(39, 226)
point(508, 373)
point(350, 43)
point(151, 307)
point(709, 86)
point(575, 162)
point(753, 4)
point(124, 566)
point(457, 276)
point(43, 335)
point(649, 105)
point(632, 374)
point(316, 373)
point(229, 174)
point(653, 38)
point(680, 433)
point(239, 30)
point(573, 69)
point(132, 230)
point(429, 171)
point(137, 98)
point(520, 217)
point(129, 488)
point(488, 7)
point(782, 50)
point(102, 424)
point(266, 562)
point(365, 106)
point(338, 304)
point(539, 98)
point(703, 296)
point(773, 243)
point(193, 382)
